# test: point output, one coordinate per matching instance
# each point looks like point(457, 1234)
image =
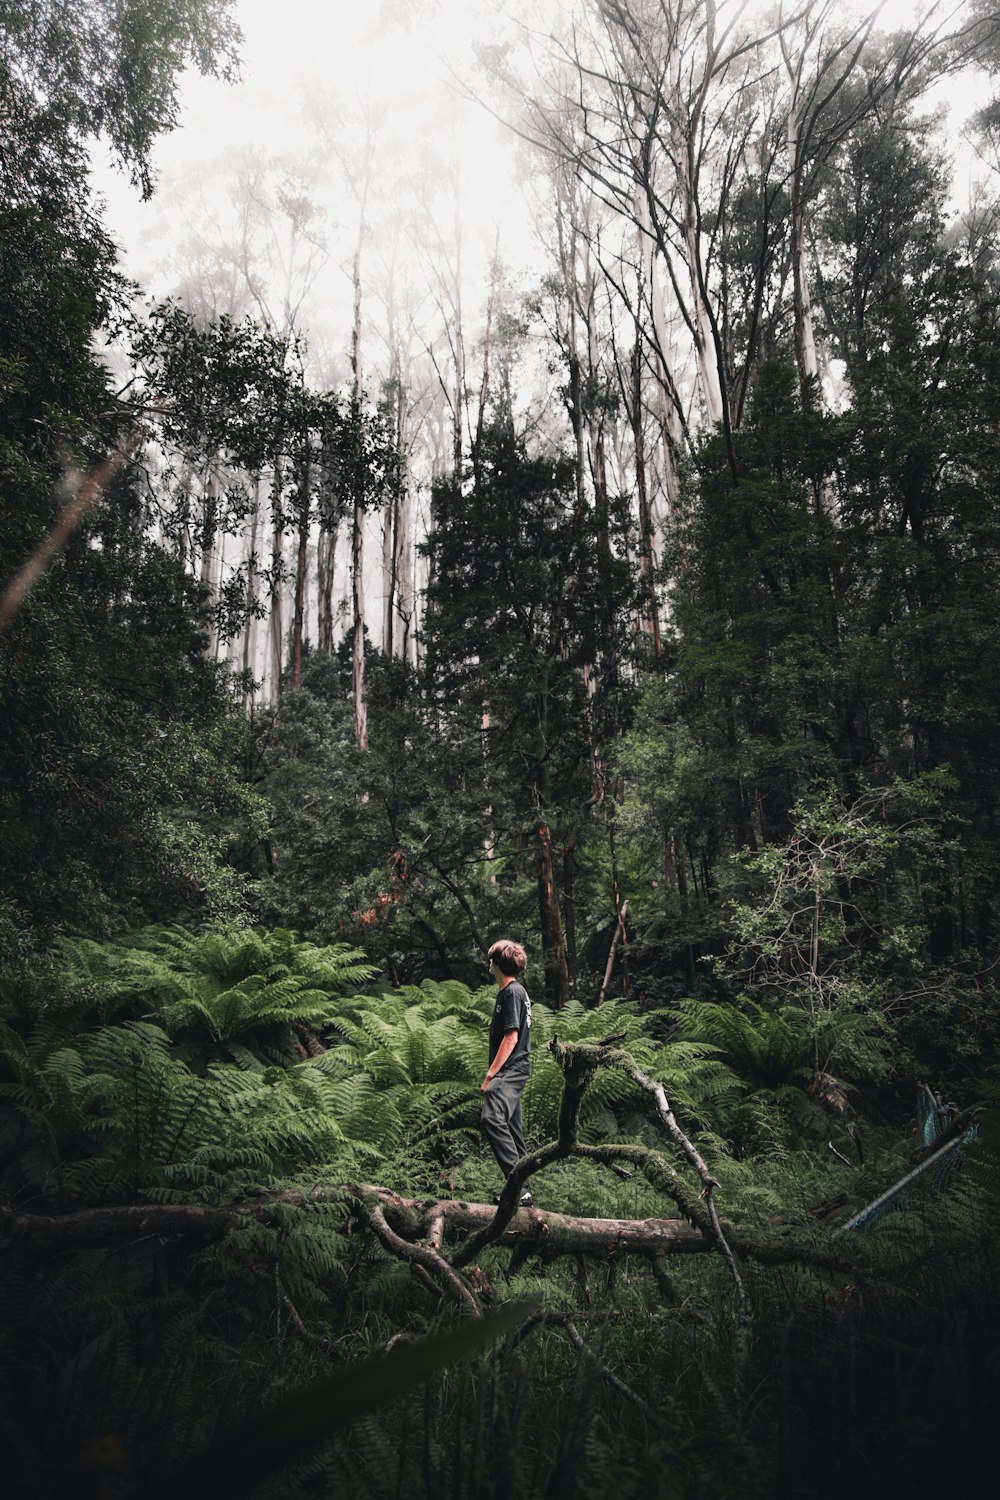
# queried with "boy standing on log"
point(510, 1059)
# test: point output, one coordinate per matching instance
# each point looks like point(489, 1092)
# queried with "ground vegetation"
point(695, 698)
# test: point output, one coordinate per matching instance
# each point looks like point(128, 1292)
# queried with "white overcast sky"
point(398, 54)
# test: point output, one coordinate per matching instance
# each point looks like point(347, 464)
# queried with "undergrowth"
point(176, 1069)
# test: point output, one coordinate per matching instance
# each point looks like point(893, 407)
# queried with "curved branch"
point(420, 1255)
point(615, 1057)
point(577, 1070)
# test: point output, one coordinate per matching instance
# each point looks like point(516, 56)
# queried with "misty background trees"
point(613, 565)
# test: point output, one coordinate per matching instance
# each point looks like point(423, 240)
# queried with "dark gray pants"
point(500, 1120)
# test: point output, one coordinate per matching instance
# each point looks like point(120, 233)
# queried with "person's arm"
point(504, 1050)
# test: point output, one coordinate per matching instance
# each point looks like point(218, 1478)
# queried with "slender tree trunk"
point(598, 464)
point(358, 515)
point(325, 562)
point(330, 512)
point(557, 987)
point(358, 638)
point(220, 573)
point(709, 377)
point(677, 876)
point(457, 444)
point(569, 903)
point(184, 547)
point(395, 533)
point(298, 622)
point(277, 569)
point(566, 240)
point(251, 622)
point(209, 548)
point(671, 429)
point(647, 554)
point(484, 386)
point(405, 573)
point(805, 340)
point(390, 527)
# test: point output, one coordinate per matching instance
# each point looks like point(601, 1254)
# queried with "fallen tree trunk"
point(562, 1234)
point(411, 1219)
point(415, 1230)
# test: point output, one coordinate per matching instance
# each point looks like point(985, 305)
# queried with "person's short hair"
point(510, 958)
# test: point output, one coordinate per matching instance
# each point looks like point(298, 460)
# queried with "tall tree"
point(109, 69)
point(514, 614)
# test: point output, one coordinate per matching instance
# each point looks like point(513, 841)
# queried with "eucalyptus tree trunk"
point(405, 571)
point(459, 351)
point(569, 869)
point(566, 237)
point(330, 515)
point(706, 353)
point(210, 549)
point(668, 403)
point(277, 569)
point(647, 550)
point(304, 496)
point(220, 573)
point(390, 527)
point(819, 61)
point(557, 985)
point(184, 543)
point(476, 439)
point(596, 418)
point(250, 623)
point(805, 340)
point(326, 557)
point(358, 513)
point(395, 525)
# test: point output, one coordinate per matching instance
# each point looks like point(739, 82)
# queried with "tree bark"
point(557, 988)
point(618, 932)
point(411, 1219)
point(209, 549)
point(569, 902)
point(647, 551)
point(331, 509)
point(250, 623)
point(277, 568)
point(358, 514)
point(298, 623)
point(805, 339)
point(326, 544)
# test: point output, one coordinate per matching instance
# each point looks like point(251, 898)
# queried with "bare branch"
point(424, 1256)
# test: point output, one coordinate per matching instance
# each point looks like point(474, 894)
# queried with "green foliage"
point(140, 1106)
point(121, 787)
point(101, 69)
point(836, 920)
point(802, 817)
point(114, 1090)
point(230, 400)
point(390, 847)
point(235, 986)
point(120, 766)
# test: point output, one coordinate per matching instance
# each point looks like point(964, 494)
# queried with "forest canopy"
point(640, 605)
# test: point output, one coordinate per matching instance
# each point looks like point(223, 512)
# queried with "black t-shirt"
point(512, 1012)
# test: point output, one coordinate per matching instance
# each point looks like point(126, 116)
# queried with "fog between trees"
point(543, 482)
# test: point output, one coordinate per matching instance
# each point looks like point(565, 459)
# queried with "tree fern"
point(228, 986)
